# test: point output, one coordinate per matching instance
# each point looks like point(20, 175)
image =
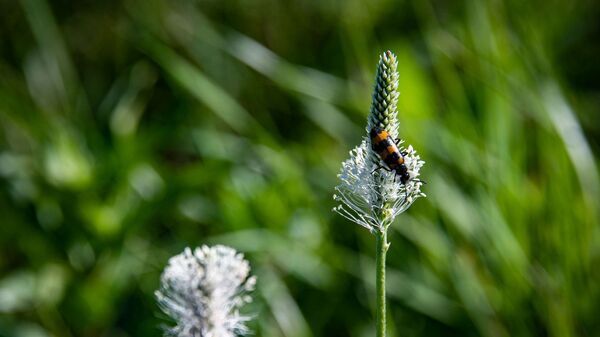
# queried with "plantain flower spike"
point(203, 290)
point(369, 196)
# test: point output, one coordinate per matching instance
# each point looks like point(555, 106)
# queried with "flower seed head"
point(203, 291)
point(369, 196)
point(385, 96)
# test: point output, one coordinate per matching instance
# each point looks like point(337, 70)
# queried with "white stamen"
point(204, 290)
point(373, 198)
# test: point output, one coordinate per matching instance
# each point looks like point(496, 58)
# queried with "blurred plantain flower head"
point(203, 290)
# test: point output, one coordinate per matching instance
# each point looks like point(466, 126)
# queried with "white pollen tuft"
point(203, 291)
point(373, 197)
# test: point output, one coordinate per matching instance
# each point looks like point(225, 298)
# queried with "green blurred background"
point(131, 129)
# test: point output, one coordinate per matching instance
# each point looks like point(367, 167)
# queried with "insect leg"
point(380, 167)
point(397, 142)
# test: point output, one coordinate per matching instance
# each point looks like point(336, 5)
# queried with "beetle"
point(387, 149)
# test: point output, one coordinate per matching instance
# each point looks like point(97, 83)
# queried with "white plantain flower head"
point(369, 194)
point(203, 291)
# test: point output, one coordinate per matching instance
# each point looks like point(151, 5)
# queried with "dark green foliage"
point(131, 129)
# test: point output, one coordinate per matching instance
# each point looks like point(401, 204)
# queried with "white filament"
point(203, 291)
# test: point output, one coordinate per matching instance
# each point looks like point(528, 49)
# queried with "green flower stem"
point(382, 247)
point(373, 198)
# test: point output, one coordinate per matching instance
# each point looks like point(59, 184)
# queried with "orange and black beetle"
point(387, 149)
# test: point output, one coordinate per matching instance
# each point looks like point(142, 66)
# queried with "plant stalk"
point(382, 246)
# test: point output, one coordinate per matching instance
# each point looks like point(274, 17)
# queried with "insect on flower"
point(387, 149)
point(369, 198)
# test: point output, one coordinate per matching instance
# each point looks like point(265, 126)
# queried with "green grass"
point(131, 129)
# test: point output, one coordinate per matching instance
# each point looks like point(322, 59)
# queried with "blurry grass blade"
point(283, 306)
point(201, 87)
point(290, 256)
point(474, 298)
point(481, 222)
point(146, 181)
point(54, 53)
point(455, 205)
point(45, 83)
point(421, 297)
point(430, 239)
point(320, 88)
point(331, 120)
point(218, 144)
point(565, 122)
point(227, 146)
point(185, 19)
point(129, 108)
point(411, 292)
point(67, 163)
point(49, 38)
point(448, 146)
point(304, 80)
point(503, 239)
